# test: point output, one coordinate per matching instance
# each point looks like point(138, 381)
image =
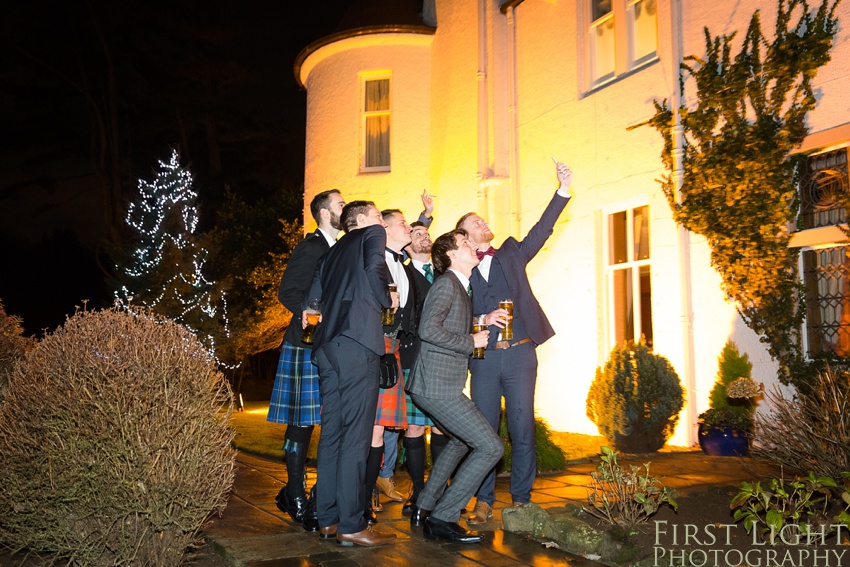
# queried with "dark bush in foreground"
point(115, 442)
point(13, 345)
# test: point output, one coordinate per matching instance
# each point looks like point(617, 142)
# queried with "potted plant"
point(726, 428)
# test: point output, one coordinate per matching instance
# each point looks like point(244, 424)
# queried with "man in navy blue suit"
point(352, 282)
point(509, 367)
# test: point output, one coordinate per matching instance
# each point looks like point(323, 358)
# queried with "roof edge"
point(355, 32)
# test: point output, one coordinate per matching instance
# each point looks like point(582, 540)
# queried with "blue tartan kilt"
point(295, 397)
point(414, 414)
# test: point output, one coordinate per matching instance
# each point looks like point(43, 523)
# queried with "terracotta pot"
point(723, 441)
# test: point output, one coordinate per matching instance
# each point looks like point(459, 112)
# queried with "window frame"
point(816, 239)
point(625, 61)
point(634, 266)
point(364, 114)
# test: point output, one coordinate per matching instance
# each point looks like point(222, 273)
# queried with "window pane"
point(826, 274)
point(643, 27)
point(823, 189)
point(377, 141)
point(624, 315)
point(618, 251)
point(646, 305)
point(641, 234)
point(602, 50)
point(599, 8)
point(377, 95)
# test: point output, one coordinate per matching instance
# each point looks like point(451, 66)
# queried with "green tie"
point(429, 273)
point(469, 290)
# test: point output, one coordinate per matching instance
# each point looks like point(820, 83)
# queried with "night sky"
point(93, 93)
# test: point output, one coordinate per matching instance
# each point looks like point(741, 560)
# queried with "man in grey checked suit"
point(436, 386)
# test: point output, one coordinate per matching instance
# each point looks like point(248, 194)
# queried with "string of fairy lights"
point(164, 218)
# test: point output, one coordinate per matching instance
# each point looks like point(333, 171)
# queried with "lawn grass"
point(257, 436)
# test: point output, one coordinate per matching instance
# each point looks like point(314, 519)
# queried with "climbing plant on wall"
point(742, 116)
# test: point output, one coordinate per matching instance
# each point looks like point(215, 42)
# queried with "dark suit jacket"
point(514, 257)
point(408, 335)
point(352, 282)
point(445, 334)
point(296, 281)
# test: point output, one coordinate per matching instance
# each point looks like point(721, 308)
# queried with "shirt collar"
point(463, 279)
point(327, 236)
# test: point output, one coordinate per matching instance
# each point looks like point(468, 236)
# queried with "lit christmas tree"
point(165, 271)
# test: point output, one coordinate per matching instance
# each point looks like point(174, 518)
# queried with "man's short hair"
point(441, 248)
point(463, 219)
point(418, 223)
point(348, 217)
point(321, 201)
point(387, 213)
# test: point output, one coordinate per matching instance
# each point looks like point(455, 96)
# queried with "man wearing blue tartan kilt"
point(295, 399)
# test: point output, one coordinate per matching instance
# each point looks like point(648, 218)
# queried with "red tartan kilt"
point(392, 406)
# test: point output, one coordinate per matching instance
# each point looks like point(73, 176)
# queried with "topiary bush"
point(636, 399)
point(115, 442)
point(13, 345)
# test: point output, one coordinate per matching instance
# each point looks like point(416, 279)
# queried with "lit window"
point(628, 272)
point(622, 35)
point(825, 266)
point(375, 124)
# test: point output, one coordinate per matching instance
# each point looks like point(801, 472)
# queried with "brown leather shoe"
point(328, 532)
point(387, 486)
point(481, 515)
point(367, 538)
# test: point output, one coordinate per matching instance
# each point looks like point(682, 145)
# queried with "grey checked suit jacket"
point(445, 341)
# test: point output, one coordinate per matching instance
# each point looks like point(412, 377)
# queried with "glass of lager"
point(387, 313)
point(508, 331)
point(313, 311)
point(478, 326)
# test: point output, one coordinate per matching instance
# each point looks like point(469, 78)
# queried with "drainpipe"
point(513, 122)
point(484, 194)
point(684, 237)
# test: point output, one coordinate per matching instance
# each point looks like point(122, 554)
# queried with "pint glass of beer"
point(313, 311)
point(478, 326)
point(387, 313)
point(508, 331)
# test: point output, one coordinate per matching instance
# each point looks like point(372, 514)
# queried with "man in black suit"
point(295, 399)
point(436, 385)
point(509, 367)
point(352, 283)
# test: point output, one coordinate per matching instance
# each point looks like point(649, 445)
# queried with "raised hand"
point(428, 203)
point(565, 174)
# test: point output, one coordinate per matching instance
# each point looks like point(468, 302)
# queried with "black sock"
point(296, 441)
point(414, 448)
point(373, 467)
point(438, 443)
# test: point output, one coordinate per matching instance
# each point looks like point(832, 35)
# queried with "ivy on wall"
point(747, 114)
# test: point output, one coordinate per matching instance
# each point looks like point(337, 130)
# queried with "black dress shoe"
point(449, 531)
point(295, 507)
point(418, 516)
point(410, 503)
point(311, 513)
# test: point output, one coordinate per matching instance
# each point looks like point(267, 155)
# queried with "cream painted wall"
point(614, 167)
point(333, 122)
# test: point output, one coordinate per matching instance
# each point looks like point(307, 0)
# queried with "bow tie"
point(396, 256)
point(490, 252)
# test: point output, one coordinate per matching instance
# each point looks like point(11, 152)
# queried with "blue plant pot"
point(723, 441)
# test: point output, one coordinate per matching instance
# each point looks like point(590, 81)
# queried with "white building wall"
point(332, 78)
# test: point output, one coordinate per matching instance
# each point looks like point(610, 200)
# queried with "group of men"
point(335, 380)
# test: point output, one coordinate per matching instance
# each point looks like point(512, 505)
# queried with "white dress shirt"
point(399, 277)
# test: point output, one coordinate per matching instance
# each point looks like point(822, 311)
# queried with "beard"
point(335, 221)
point(420, 249)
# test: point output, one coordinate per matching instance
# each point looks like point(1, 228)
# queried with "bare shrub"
point(811, 430)
point(115, 442)
point(13, 345)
